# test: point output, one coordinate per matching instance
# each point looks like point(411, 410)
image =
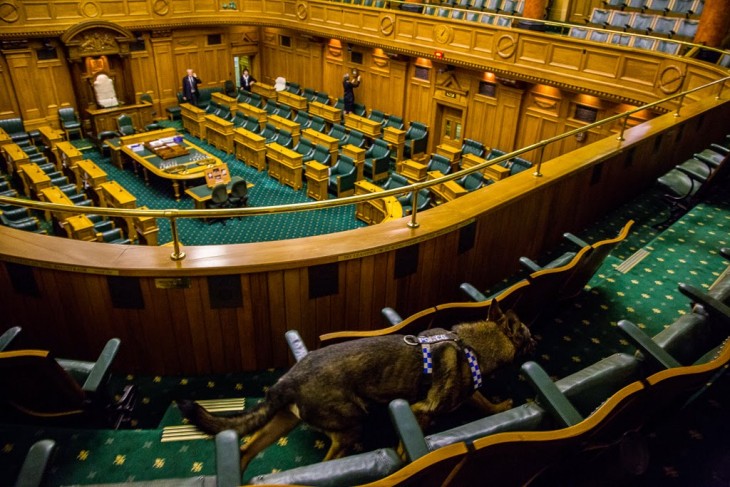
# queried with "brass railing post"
point(537, 172)
point(177, 252)
point(681, 102)
point(414, 209)
point(623, 128)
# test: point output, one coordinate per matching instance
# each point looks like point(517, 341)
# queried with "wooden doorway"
point(450, 124)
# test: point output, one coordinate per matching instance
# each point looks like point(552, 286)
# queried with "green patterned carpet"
point(691, 451)
point(265, 192)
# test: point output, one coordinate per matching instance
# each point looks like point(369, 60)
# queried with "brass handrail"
point(173, 214)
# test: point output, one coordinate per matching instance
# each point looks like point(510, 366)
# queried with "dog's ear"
point(495, 312)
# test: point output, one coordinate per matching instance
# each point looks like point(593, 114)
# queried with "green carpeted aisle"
point(575, 336)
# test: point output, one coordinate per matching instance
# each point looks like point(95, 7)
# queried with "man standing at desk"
point(190, 87)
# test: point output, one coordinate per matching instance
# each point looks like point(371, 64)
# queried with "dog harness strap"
point(476, 372)
point(427, 359)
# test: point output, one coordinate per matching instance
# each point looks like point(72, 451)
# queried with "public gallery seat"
point(70, 122)
point(38, 385)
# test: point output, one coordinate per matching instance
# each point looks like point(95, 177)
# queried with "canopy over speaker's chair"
point(70, 122)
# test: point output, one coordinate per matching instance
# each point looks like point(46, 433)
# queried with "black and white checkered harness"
point(426, 341)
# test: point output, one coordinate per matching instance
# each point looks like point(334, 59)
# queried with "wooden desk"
point(219, 133)
point(114, 195)
point(376, 211)
point(67, 156)
point(330, 114)
point(365, 125)
point(258, 113)
point(224, 100)
point(79, 227)
point(294, 101)
point(285, 165)
point(15, 157)
point(358, 158)
point(451, 153)
point(494, 172)
point(53, 194)
point(193, 119)
point(50, 138)
point(105, 119)
point(397, 139)
point(34, 179)
point(250, 148)
point(147, 229)
point(332, 144)
point(203, 193)
point(286, 124)
point(115, 145)
point(264, 90)
point(317, 180)
point(183, 168)
point(448, 191)
point(4, 138)
point(413, 171)
point(88, 175)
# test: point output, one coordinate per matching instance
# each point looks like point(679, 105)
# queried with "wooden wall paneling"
point(259, 301)
point(508, 113)
point(294, 308)
point(159, 344)
point(180, 336)
point(356, 300)
point(200, 357)
point(277, 316)
point(214, 330)
point(20, 65)
point(580, 11)
point(482, 120)
point(145, 76)
point(368, 314)
point(168, 83)
point(424, 278)
point(383, 293)
point(8, 97)
point(310, 334)
point(227, 319)
point(246, 327)
point(419, 104)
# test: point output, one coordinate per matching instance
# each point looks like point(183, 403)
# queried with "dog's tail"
point(243, 423)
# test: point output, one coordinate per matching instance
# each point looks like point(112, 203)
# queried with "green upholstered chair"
point(16, 130)
point(7, 337)
point(472, 182)
point(125, 125)
point(439, 163)
point(26, 223)
point(303, 119)
point(356, 138)
point(359, 109)
point(416, 139)
point(322, 97)
point(229, 87)
point(270, 133)
point(377, 161)
point(309, 94)
point(36, 463)
point(306, 148)
point(394, 121)
point(342, 177)
point(147, 98)
point(318, 124)
point(424, 201)
point(70, 122)
point(218, 200)
point(377, 116)
point(322, 155)
point(338, 132)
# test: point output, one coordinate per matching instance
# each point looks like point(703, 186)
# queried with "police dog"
point(334, 389)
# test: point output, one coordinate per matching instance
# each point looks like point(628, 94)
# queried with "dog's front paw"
point(503, 406)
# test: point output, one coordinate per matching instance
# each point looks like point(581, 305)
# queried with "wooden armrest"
point(227, 460)
point(391, 315)
point(472, 292)
point(550, 396)
point(100, 370)
point(647, 346)
point(408, 430)
point(296, 344)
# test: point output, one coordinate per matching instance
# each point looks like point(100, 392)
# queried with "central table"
point(182, 168)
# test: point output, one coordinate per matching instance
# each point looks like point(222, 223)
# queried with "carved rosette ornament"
point(9, 12)
point(386, 25)
point(161, 7)
point(506, 46)
point(302, 10)
point(671, 79)
point(443, 34)
point(90, 9)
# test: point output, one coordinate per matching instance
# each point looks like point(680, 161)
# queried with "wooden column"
point(534, 9)
point(714, 24)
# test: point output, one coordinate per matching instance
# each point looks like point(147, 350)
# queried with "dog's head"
point(511, 325)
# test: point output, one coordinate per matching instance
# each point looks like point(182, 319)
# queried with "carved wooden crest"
point(96, 38)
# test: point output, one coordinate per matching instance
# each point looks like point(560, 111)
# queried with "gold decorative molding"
point(302, 10)
point(9, 12)
point(443, 34)
point(386, 25)
point(96, 38)
point(671, 79)
point(506, 46)
point(90, 8)
point(162, 7)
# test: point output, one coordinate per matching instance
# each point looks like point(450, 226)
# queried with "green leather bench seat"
point(352, 470)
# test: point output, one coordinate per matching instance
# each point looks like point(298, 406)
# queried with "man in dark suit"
point(190, 87)
point(247, 80)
